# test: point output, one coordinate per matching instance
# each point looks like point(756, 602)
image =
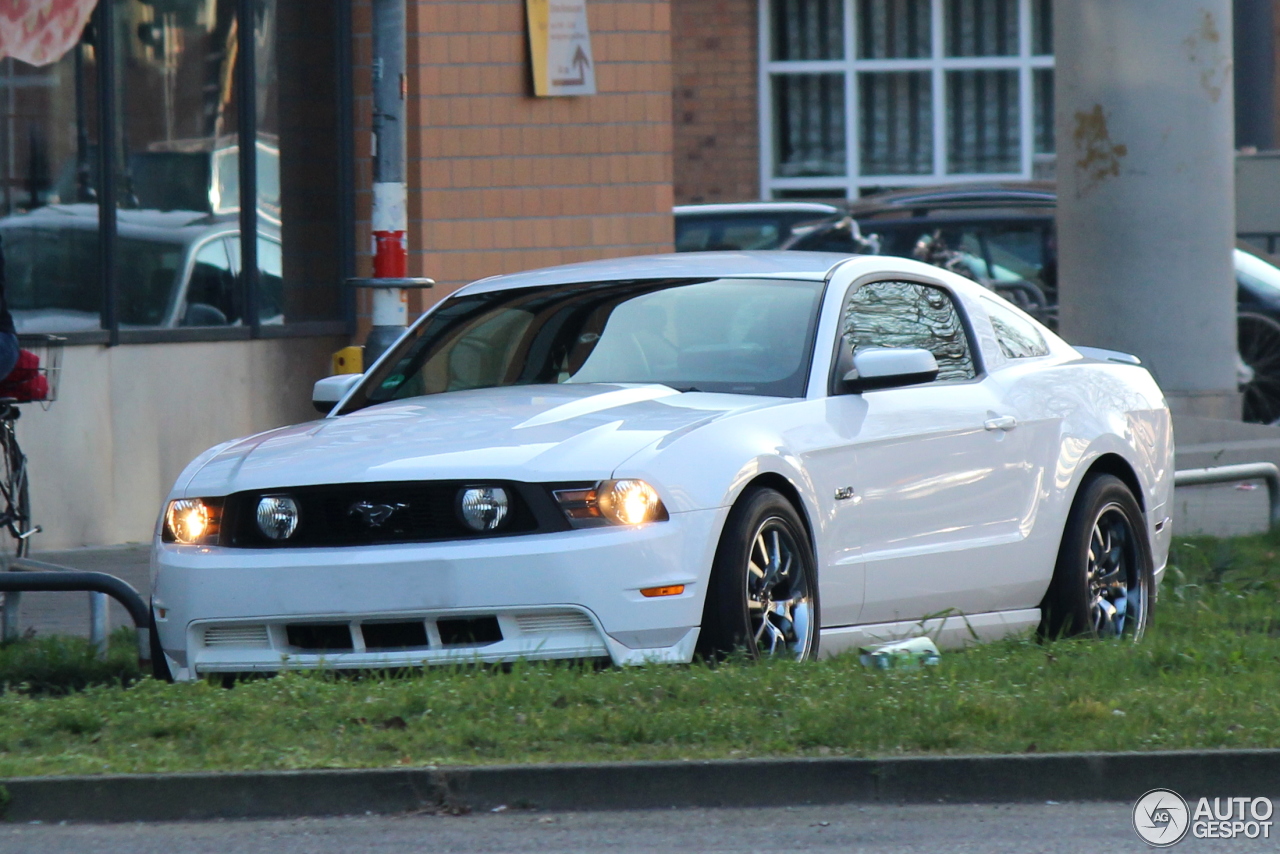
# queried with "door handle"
point(1004, 422)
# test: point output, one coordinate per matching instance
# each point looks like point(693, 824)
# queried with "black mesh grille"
point(327, 637)
point(421, 511)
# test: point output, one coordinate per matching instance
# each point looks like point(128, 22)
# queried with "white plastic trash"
point(900, 654)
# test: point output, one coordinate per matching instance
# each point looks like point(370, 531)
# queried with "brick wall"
point(716, 119)
point(500, 181)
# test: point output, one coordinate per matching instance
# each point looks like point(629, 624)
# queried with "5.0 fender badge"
point(844, 493)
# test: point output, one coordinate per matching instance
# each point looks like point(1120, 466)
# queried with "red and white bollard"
point(390, 255)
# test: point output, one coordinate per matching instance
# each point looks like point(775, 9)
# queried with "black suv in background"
point(1002, 234)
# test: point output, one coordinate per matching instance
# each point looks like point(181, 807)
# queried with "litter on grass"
point(905, 654)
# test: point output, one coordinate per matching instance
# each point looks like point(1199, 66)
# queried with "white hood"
point(530, 433)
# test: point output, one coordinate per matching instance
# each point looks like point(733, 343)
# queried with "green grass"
point(59, 664)
point(1207, 676)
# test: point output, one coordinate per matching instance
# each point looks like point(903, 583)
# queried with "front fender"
point(712, 466)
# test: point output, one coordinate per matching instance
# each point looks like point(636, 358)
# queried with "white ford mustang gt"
point(653, 458)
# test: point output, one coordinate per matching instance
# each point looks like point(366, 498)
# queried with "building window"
point(195, 165)
point(872, 94)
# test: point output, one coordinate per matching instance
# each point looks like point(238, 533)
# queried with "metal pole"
point(98, 623)
point(247, 120)
point(104, 28)
point(9, 608)
point(12, 604)
point(346, 157)
point(390, 217)
point(1146, 190)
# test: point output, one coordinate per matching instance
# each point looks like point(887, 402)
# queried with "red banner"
point(39, 32)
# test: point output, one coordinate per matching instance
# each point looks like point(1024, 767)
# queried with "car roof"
point(924, 201)
point(773, 264)
point(161, 226)
point(758, 207)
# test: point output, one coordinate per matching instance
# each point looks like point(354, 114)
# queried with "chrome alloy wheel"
point(1117, 594)
point(779, 592)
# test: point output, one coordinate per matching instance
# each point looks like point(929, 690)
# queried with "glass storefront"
point(172, 79)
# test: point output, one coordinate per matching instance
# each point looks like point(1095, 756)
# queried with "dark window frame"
point(111, 334)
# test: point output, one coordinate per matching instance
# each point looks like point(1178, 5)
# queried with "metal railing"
point(24, 574)
point(1267, 472)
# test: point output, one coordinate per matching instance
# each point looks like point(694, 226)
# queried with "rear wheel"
point(1103, 581)
point(15, 498)
point(1259, 341)
point(763, 594)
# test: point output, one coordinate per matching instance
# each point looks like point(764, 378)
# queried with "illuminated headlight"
point(618, 502)
point(483, 508)
point(277, 516)
point(193, 521)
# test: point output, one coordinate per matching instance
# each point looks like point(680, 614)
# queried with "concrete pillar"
point(1146, 199)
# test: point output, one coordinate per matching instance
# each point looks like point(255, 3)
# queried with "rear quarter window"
point(1017, 336)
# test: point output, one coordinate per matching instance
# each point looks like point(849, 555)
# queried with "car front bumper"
point(573, 594)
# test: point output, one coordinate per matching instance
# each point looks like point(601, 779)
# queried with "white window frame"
point(938, 64)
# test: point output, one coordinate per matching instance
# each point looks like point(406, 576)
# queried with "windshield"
point(742, 336)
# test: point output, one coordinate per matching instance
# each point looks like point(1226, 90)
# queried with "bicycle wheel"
point(15, 497)
point(1259, 341)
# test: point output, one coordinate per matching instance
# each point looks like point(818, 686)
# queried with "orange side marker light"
point(668, 590)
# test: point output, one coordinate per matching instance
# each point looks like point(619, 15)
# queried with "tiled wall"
point(501, 181)
point(714, 56)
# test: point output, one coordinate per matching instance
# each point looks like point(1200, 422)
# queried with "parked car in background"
point(647, 459)
point(201, 175)
point(1002, 234)
point(174, 268)
point(747, 225)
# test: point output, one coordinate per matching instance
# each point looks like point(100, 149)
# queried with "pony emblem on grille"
point(374, 515)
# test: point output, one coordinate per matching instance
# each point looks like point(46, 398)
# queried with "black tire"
point(1259, 342)
point(741, 611)
point(1104, 579)
point(159, 664)
point(15, 498)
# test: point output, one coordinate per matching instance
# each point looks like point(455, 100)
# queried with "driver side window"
point(910, 315)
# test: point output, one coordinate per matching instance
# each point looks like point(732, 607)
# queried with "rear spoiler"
point(1109, 355)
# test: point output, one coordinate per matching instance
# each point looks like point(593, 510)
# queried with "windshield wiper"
point(685, 389)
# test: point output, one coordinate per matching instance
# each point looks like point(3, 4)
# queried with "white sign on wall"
point(560, 47)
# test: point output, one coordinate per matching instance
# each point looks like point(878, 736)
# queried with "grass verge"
point(1206, 676)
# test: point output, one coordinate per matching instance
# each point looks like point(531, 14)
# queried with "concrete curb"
point(644, 785)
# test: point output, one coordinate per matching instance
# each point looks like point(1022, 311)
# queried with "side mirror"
point(330, 390)
point(880, 367)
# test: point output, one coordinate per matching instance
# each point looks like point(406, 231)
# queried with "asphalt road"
point(850, 829)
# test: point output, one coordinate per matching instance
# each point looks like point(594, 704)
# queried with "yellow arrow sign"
point(560, 47)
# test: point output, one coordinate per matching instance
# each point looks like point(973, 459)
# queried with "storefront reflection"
point(178, 190)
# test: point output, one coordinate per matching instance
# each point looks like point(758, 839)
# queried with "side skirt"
point(950, 631)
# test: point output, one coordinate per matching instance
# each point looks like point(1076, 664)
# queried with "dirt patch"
point(1099, 156)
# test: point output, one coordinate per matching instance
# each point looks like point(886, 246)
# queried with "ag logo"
point(1161, 818)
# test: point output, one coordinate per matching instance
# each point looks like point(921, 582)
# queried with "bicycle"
point(28, 383)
